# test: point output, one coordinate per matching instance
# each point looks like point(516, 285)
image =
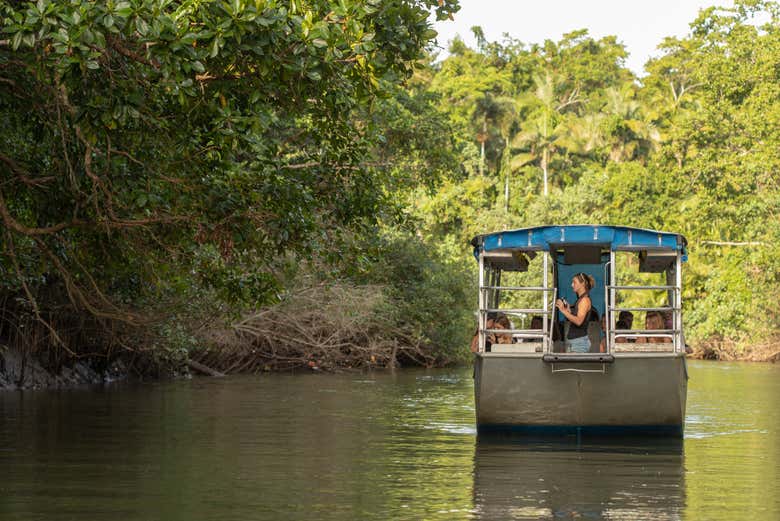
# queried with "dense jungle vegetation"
point(264, 184)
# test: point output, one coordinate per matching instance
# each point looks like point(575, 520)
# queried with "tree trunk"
point(482, 154)
point(507, 169)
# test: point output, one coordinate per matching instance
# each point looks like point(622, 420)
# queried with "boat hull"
point(636, 393)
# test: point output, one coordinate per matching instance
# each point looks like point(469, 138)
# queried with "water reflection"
point(625, 479)
point(371, 447)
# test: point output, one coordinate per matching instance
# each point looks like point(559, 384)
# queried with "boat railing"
point(640, 336)
point(518, 288)
point(533, 335)
point(642, 333)
point(518, 311)
point(665, 288)
point(665, 308)
point(519, 333)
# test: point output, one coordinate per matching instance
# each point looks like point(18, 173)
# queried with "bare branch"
point(310, 164)
point(13, 224)
point(33, 302)
point(127, 53)
point(730, 243)
point(23, 174)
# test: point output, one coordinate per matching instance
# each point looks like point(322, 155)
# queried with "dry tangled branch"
point(719, 349)
point(323, 326)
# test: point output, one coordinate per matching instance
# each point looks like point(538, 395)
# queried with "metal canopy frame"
point(629, 240)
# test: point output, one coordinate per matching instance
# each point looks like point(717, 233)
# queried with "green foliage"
point(431, 294)
point(158, 150)
point(724, 300)
point(693, 148)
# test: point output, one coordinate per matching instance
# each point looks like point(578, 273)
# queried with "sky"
point(639, 24)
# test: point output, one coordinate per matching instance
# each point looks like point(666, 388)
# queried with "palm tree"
point(627, 132)
point(492, 113)
point(542, 134)
point(583, 135)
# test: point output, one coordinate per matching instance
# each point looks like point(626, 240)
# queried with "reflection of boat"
point(624, 480)
point(637, 384)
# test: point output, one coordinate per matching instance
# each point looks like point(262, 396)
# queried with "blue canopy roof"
point(543, 238)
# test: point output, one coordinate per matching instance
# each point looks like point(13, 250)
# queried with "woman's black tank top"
point(576, 331)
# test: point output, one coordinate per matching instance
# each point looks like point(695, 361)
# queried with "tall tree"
point(143, 141)
point(541, 132)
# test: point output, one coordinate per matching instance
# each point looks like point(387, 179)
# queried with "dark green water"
point(374, 446)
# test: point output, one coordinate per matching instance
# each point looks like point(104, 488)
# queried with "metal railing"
point(489, 291)
point(489, 297)
point(673, 287)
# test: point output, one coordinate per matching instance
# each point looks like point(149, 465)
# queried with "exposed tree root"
point(730, 351)
point(321, 327)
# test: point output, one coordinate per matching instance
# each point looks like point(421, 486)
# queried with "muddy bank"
point(19, 370)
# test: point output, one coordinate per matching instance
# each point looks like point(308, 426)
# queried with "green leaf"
point(198, 67)
point(319, 42)
point(16, 41)
point(141, 26)
point(124, 9)
point(429, 34)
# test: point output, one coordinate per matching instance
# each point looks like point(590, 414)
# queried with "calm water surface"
point(374, 446)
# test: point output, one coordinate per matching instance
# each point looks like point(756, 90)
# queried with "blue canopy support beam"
point(554, 238)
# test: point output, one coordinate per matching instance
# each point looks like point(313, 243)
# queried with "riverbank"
point(19, 370)
point(732, 352)
point(316, 326)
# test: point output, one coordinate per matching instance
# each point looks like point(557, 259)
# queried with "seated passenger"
point(668, 320)
point(626, 319)
point(502, 322)
point(621, 339)
point(655, 320)
point(594, 330)
point(536, 323)
point(493, 322)
point(475, 340)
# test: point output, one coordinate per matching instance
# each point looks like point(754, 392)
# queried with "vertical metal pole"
point(481, 313)
point(545, 303)
point(497, 293)
point(677, 314)
point(491, 296)
point(607, 328)
point(611, 303)
point(671, 298)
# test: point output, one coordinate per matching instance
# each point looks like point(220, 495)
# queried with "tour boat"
point(635, 381)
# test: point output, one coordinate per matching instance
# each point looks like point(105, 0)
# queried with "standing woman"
point(577, 340)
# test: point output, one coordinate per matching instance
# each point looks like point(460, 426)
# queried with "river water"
point(374, 446)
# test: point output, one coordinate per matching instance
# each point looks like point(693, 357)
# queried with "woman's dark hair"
point(586, 279)
point(503, 321)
